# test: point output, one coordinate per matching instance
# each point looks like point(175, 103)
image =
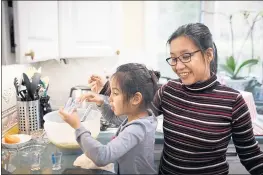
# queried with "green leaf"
point(261, 13)
point(227, 69)
point(230, 63)
point(249, 62)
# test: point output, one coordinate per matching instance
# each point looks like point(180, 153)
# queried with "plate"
point(24, 139)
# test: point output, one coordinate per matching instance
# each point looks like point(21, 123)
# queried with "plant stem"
point(232, 34)
point(249, 32)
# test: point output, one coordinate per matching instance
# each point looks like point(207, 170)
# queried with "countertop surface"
point(22, 165)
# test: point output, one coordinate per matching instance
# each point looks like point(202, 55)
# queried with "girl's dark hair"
point(201, 36)
point(135, 77)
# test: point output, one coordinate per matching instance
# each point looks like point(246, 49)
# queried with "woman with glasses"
point(200, 114)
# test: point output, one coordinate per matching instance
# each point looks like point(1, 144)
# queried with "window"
point(222, 33)
point(162, 18)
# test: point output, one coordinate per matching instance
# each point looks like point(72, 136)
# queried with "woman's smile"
point(184, 75)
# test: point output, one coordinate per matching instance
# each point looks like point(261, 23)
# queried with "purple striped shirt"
point(199, 121)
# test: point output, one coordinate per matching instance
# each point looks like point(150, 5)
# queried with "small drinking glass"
point(33, 153)
point(56, 160)
point(35, 160)
point(7, 157)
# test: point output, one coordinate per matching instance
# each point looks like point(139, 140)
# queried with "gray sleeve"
point(108, 114)
point(157, 101)
point(101, 154)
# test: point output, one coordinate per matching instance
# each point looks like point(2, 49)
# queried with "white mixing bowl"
point(62, 134)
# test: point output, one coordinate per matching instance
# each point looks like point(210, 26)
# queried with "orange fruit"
point(11, 139)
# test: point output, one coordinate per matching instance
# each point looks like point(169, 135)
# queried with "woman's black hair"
point(201, 36)
point(135, 77)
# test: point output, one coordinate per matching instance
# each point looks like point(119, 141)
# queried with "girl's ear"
point(136, 99)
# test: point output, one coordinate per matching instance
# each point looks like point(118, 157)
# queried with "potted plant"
point(231, 66)
point(232, 70)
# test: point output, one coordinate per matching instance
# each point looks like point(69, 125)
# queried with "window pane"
point(171, 15)
point(222, 34)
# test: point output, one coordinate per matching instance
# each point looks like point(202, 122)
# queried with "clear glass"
point(35, 160)
point(56, 160)
point(7, 157)
point(33, 154)
point(71, 105)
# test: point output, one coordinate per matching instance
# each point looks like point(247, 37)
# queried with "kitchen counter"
point(67, 158)
point(104, 137)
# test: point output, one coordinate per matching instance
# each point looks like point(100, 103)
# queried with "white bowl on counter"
point(62, 134)
point(24, 139)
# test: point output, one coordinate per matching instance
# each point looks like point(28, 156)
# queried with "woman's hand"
point(96, 83)
point(92, 97)
point(72, 119)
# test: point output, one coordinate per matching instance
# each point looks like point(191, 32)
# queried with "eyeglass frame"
point(190, 55)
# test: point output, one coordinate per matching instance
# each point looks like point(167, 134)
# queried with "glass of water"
point(35, 160)
point(34, 153)
point(56, 160)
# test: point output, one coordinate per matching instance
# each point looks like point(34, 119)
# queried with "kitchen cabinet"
point(7, 54)
point(46, 30)
point(36, 30)
point(89, 28)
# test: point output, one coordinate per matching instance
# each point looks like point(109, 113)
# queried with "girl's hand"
point(72, 119)
point(92, 97)
point(96, 83)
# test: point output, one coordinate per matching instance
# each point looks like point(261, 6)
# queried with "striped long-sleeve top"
point(199, 121)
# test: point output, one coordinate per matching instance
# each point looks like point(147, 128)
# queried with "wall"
point(8, 101)
point(76, 72)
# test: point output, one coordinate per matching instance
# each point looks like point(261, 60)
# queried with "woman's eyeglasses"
point(184, 58)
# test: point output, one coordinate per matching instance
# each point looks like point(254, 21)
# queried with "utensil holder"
point(28, 116)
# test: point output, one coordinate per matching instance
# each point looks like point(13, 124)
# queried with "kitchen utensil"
point(16, 86)
point(30, 72)
point(64, 137)
point(27, 83)
point(45, 92)
point(24, 139)
point(34, 84)
point(19, 94)
point(37, 92)
point(45, 81)
point(45, 108)
point(28, 116)
point(86, 113)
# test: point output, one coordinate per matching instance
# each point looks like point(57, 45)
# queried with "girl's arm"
point(101, 154)
point(157, 101)
point(243, 137)
point(108, 114)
